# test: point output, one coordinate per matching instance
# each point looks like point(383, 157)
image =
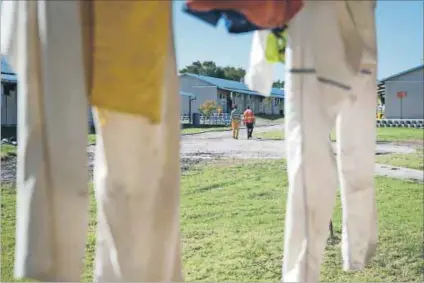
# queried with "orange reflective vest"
point(248, 116)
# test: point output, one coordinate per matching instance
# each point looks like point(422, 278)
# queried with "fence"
point(401, 123)
point(214, 119)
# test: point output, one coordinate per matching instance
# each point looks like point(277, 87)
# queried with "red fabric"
point(263, 13)
point(248, 116)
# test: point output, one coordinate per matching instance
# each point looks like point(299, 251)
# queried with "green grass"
point(7, 151)
point(203, 130)
point(232, 221)
point(268, 119)
point(396, 135)
point(400, 134)
point(410, 160)
point(383, 135)
point(271, 135)
point(91, 139)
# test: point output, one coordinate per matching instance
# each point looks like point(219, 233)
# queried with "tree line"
point(210, 69)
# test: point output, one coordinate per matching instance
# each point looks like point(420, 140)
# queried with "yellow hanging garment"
point(276, 47)
point(128, 42)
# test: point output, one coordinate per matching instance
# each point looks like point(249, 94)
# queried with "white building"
point(9, 115)
point(404, 94)
point(9, 107)
point(227, 93)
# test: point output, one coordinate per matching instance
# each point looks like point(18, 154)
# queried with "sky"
point(399, 37)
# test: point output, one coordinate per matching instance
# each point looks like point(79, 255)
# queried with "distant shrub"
point(208, 108)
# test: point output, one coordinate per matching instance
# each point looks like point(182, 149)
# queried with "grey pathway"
point(220, 144)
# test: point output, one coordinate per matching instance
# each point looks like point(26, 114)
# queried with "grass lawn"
point(232, 223)
point(397, 135)
point(383, 135)
point(203, 130)
point(400, 134)
point(92, 137)
point(274, 120)
point(7, 150)
point(410, 160)
point(270, 135)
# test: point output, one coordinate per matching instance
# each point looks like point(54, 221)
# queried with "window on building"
point(8, 88)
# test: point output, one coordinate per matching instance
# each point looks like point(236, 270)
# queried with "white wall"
point(209, 92)
point(413, 103)
point(203, 92)
point(271, 106)
point(9, 108)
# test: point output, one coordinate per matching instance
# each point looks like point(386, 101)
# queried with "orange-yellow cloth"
point(128, 41)
point(235, 125)
point(263, 13)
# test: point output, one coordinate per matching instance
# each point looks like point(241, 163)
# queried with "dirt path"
point(213, 145)
point(220, 145)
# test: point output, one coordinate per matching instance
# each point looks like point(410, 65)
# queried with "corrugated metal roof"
point(234, 85)
point(5, 68)
point(7, 73)
point(9, 78)
point(402, 73)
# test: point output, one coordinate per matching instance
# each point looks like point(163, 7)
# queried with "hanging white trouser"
point(313, 103)
point(356, 138)
point(137, 175)
point(52, 175)
point(137, 164)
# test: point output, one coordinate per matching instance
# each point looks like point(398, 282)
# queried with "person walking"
point(235, 121)
point(249, 121)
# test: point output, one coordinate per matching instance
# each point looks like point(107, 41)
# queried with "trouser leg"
point(52, 177)
point(311, 109)
point(137, 189)
point(250, 130)
point(356, 135)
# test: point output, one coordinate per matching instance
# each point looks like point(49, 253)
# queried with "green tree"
point(234, 74)
point(209, 68)
point(195, 68)
point(278, 84)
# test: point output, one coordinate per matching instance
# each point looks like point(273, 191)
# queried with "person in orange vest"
point(249, 121)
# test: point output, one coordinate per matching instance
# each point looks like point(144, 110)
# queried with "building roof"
point(7, 73)
point(402, 73)
point(183, 93)
point(234, 85)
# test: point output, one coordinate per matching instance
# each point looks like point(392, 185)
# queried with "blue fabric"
point(234, 21)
